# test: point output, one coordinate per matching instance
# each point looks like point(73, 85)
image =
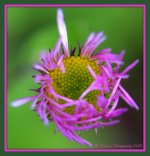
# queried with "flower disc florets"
point(75, 80)
point(79, 92)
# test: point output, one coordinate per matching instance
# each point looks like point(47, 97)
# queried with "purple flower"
point(79, 90)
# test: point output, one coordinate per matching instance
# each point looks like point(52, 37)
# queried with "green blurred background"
point(31, 30)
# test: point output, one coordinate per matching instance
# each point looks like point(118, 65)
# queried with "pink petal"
point(130, 66)
point(62, 30)
point(57, 48)
point(128, 98)
point(22, 101)
point(92, 72)
point(118, 112)
point(90, 37)
point(113, 107)
point(110, 123)
point(39, 67)
point(113, 92)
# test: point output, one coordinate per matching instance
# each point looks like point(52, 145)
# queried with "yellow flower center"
point(75, 80)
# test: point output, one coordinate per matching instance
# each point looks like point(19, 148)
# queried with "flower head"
point(79, 90)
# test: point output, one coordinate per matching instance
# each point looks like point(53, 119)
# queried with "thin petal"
point(62, 30)
point(43, 56)
point(40, 68)
point(35, 101)
point(131, 102)
point(118, 112)
point(38, 78)
point(92, 72)
point(79, 139)
point(61, 64)
point(90, 37)
point(107, 71)
point(92, 44)
point(113, 107)
point(103, 51)
point(90, 120)
point(113, 92)
point(22, 101)
point(130, 66)
point(110, 123)
point(57, 48)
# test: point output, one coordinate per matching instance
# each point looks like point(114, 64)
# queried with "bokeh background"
point(31, 30)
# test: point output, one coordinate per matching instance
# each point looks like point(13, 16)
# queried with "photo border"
point(5, 77)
